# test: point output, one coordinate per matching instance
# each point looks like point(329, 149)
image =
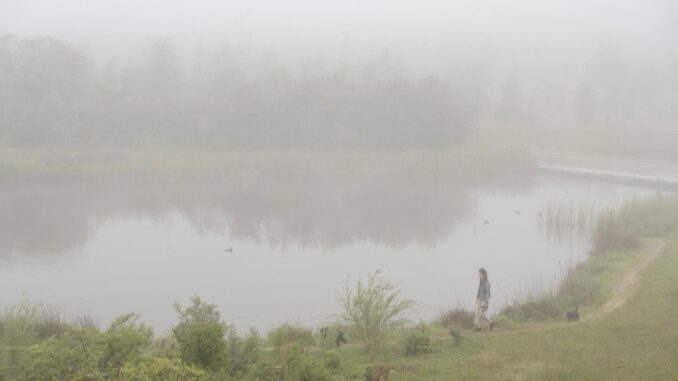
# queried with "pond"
point(268, 251)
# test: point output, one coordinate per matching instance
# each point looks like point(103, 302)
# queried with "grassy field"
point(638, 341)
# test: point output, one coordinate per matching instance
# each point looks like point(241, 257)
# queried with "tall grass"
point(611, 230)
point(622, 229)
point(456, 317)
point(565, 219)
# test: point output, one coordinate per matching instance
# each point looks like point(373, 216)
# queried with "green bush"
point(125, 340)
point(418, 340)
point(73, 355)
point(310, 369)
point(372, 308)
point(242, 353)
point(201, 335)
point(332, 361)
point(502, 322)
point(457, 336)
point(161, 369)
point(287, 334)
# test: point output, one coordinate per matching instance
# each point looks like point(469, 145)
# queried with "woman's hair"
point(484, 272)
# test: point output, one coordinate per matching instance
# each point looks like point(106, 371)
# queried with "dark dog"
point(340, 338)
point(572, 315)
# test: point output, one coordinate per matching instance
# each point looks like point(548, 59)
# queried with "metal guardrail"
point(655, 173)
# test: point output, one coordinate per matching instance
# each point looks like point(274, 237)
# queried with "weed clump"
point(457, 317)
point(418, 340)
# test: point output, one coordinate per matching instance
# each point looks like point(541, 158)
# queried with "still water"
point(107, 250)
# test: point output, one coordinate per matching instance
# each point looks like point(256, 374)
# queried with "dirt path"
point(625, 288)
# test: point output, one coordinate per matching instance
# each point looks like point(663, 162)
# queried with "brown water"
point(107, 250)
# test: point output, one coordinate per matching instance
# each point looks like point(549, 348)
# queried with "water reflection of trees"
point(307, 211)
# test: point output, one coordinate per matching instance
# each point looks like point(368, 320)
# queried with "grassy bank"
point(636, 341)
point(57, 163)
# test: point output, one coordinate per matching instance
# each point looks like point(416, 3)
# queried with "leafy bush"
point(373, 308)
point(161, 369)
point(124, 341)
point(287, 334)
point(201, 334)
point(332, 361)
point(457, 336)
point(243, 353)
point(418, 340)
point(310, 369)
point(503, 322)
point(73, 355)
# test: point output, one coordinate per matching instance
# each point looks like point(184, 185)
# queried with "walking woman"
point(482, 302)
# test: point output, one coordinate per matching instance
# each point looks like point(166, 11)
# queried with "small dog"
point(572, 315)
point(340, 338)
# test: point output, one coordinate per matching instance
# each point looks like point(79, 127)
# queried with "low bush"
point(457, 336)
point(289, 334)
point(417, 340)
point(458, 316)
point(332, 361)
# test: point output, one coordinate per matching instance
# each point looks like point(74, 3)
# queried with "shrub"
point(309, 369)
point(456, 317)
point(267, 370)
point(124, 341)
point(287, 334)
point(161, 369)
point(201, 334)
point(243, 353)
point(418, 340)
point(457, 336)
point(73, 355)
point(373, 308)
point(501, 321)
point(332, 361)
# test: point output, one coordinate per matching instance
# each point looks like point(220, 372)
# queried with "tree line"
point(52, 92)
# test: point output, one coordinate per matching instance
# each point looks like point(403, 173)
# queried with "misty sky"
point(412, 31)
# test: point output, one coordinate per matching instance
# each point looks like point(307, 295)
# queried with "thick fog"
point(389, 74)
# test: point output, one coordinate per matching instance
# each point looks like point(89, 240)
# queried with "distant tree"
point(46, 81)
